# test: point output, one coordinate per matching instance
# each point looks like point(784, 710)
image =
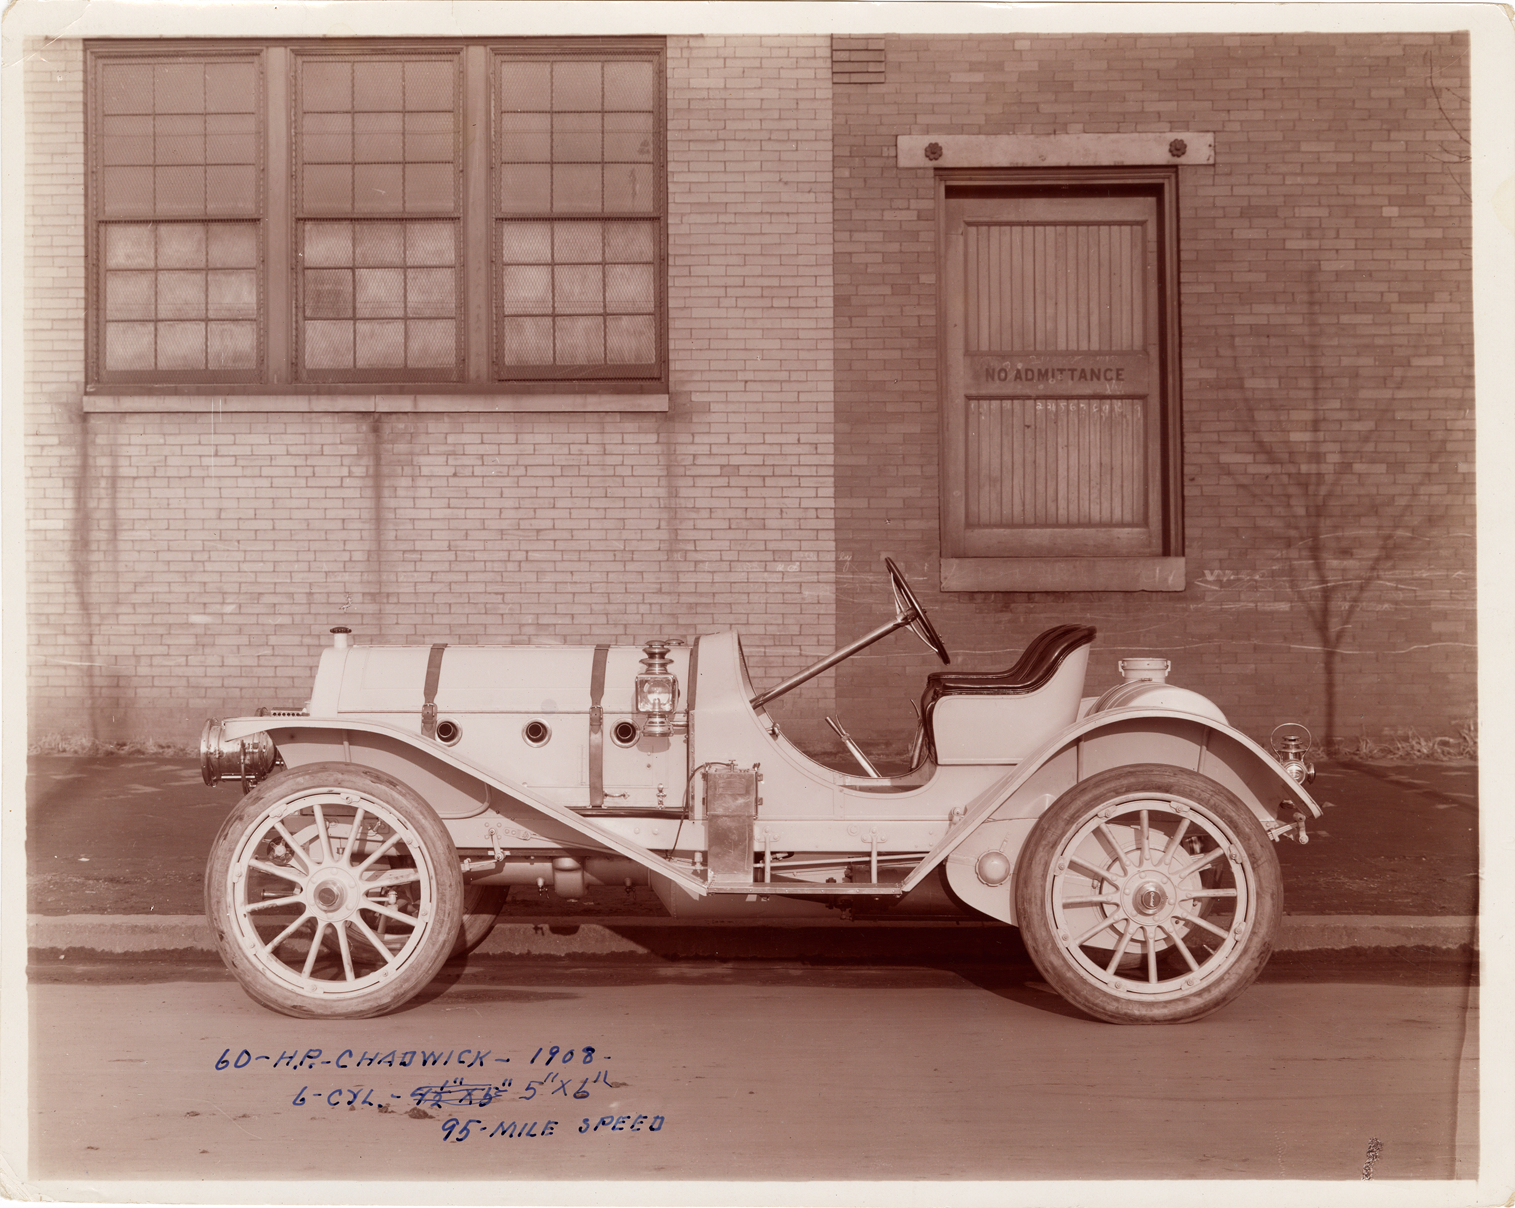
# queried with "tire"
point(1148, 894)
point(334, 892)
point(481, 907)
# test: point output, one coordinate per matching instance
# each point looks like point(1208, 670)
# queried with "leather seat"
point(1036, 666)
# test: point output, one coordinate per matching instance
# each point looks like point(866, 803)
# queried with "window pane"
point(629, 288)
point(631, 340)
point(328, 243)
point(181, 295)
point(381, 293)
point(130, 346)
point(328, 189)
point(378, 138)
point(126, 191)
point(633, 242)
point(325, 86)
point(231, 190)
point(524, 86)
point(430, 292)
point(429, 188)
point(576, 188)
point(181, 345)
point(630, 187)
point(231, 245)
point(526, 187)
point(428, 137)
point(576, 138)
point(231, 138)
point(328, 345)
point(179, 139)
point(578, 243)
point(378, 243)
point(231, 294)
point(579, 289)
point(178, 191)
point(430, 243)
point(526, 341)
point(328, 293)
point(130, 246)
point(579, 340)
point(127, 139)
point(181, 245)
point(129, 295)
point(526, 242)
point(576, 85)
point(524, 137)
point(126, 88)
point(630, 84)
point(628, 137)
point(527, 289)
point(326, 138)
point(231, 345)
point(429, 85)
point(378, 188)
point(380, 344)
point(378, 85)
point(431, 343)
point(232, 88)
point(179, 88)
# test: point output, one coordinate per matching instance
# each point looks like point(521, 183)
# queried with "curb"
point(591, 936)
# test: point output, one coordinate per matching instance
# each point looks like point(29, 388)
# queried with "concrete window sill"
point(1062, 574)
point(405, 404)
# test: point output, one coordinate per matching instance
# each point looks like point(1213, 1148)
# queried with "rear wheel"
point(1148, 894)
point(334, 891)
point(481, 907)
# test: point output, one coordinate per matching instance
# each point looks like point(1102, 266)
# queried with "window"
point(176, 160)
point(378, 211)
point(578, 205)
point(1060, 383)
point(312, 220)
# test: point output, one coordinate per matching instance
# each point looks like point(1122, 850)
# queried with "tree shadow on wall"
point(1337, 494)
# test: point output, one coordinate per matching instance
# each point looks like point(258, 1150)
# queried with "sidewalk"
point(117, 848)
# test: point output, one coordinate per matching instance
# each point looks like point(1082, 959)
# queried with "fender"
point(1002, 817)
point(398, 746)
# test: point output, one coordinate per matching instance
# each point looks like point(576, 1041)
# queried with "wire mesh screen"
point(180, 296)
point(578, 241)
point(178, 139)
point(379, 286)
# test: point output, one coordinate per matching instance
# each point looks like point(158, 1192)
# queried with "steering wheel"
point(908, 608)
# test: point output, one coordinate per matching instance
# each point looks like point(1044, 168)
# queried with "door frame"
point(1164, 572)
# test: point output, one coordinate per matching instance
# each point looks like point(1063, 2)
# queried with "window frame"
point(96, 220)
point(552, 49)
point(1164, 571)
point(278, 382)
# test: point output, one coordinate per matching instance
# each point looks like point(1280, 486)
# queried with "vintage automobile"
point(1127, 837)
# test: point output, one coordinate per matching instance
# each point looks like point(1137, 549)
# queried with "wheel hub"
point(332, 895)
point(1149, 897)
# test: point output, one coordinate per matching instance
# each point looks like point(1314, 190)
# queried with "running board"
point(798, 889)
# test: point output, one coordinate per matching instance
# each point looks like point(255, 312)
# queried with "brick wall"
point(185, 566)
point(1327, 367)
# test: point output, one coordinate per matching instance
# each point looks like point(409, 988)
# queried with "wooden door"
point(1053, 377)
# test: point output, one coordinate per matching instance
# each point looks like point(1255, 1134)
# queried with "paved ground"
point(129, 835)
point(777, 1072)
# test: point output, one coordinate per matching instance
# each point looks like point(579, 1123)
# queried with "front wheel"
point(1148, 894)
point(334, 892)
